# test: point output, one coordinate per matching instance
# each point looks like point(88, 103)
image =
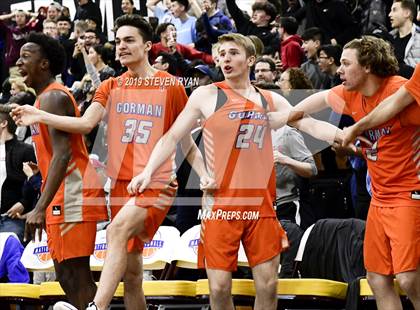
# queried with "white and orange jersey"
point(239, 152)
point(81, 195)
point(394, 158)
point(140, 111)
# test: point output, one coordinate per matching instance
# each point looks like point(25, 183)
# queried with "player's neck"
point(142, 69)
point(40, 86)
point(371, 85)
point(240, 84)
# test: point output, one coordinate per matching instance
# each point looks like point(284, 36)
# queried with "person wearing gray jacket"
point(293, 160)
point(406, 33)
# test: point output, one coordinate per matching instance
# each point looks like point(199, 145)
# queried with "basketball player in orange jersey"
point(141, 105)
point(392, 238)
point(389, 108)
point(239, 156)
point(72, 198)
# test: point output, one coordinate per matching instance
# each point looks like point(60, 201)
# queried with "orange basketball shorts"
point(157, 200)
point(263, 239)
point(71, 240)
point(392, 240)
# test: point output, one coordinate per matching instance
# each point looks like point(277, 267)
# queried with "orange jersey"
point(239, 153)
point(80, 196)
point(413, 85)
point(140, 111)
point(393, 160)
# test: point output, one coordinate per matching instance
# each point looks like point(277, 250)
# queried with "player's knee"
point(408, 283)
point(378, 282)
point(133, 277)
point(116, 232)
point(268, 287)
point(220, 290)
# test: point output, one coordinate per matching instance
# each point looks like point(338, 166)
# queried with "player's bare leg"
point(383, 289)
point(128, 222)
point(70, 274)
point(410, 283)
point(265, 279)
point(220, 284)
point(133, 280)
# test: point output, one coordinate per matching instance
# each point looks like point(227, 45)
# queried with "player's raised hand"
point(139, 183)
point(26, 115)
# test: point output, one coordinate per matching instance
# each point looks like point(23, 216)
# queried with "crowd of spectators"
point(299, 44)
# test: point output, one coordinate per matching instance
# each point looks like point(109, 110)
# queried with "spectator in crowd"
point(85, 41)
point(291, 50)
point(265, 70)
point(166, 62)
point(202, 74)
point(184, 23)
point(295, 85)
point(88, 9)
point(162, 12)
point(11, 269)
point(65, 11)
point(312, 40)
point(334, 20)
point(168, 43)
point(258, 44)
point(12, 156)
point(262, 15)
point(54, 11)
point(296, 9)
point(329, 61)
point(15, 35)
point(23, 133)
point(50, 28)
point(211, 24)
point(127, 7)
point(64, 27)
point(17, 85)
point(97, 56)
point(293, 160)
point(406, 34)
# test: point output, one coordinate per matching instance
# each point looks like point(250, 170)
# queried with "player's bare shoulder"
point(56, 101)
point(204, 98)
point(280, 103)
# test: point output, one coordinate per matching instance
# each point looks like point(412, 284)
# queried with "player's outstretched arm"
point(299, 118)
point(383, 112)
point(167, 144)
point(28, 115)
point(286, 114)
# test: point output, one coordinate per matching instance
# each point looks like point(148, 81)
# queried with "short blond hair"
point(241, 40)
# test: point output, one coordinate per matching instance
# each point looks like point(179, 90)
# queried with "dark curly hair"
point(298, 79)
point(51, 49)
point(375, 53)
point(135, 20)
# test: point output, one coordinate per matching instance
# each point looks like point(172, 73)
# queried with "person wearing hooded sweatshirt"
point(291, 49)
point(259, 24)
